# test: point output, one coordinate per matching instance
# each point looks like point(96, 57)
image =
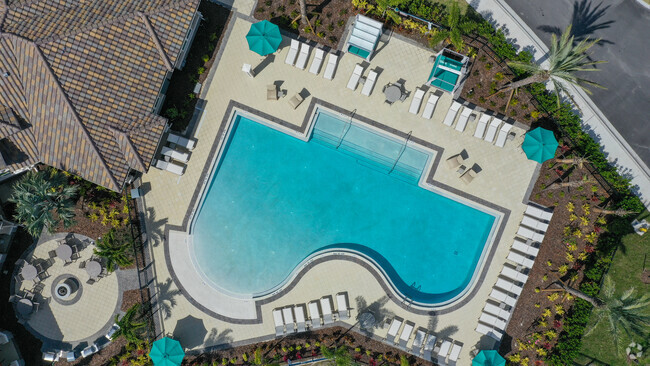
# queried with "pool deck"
point(504, 180)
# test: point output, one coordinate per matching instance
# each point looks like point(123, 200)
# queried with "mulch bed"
point(132, 297)
point(83, 225)
point(102, 357)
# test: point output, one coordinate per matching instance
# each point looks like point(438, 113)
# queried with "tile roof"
point(85, 76)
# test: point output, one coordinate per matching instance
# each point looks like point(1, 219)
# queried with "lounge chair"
point(111, 332)
point(176, 168)
point(538, 213)
point(183, 157)
point(492, 130)
point(181, 141)
point(442, 351)
point(331, 66)
point(455, 352)
point(524, 247)
point(326, 306)
point(289, 322)
point(279, 323)
point(503, 297)
point(534, 223)
point(271, 92)
point(462, 120)
point(296, 100)
point(492, 321)
point(395, 324)
point(503, 133)
point(417, 101)
point(468, 176)
point(489, 331)
point(520, 259)
point(317, 61)
point(530, 234)
point(88, 351)
point(370, 83)
point(480, 127)
point(314, 315)
point(50, 357)
point(293, 51)
point(354, 78)
point(303, 56)
point(430, 107)
point(420, 335)
point(299, 310)
point(451, 114)
point(513, 274)
point(497, 311)
point(342, 304)
point(508, 286)
point(428, 347)
point(405, 335)
point(455, 161)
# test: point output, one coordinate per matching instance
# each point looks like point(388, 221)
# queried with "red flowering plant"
point(557, 324)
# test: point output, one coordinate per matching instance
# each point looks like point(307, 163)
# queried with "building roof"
point(83, 76)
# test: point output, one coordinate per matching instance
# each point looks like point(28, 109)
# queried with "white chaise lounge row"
point(368, 82)
point(293, 318)
point(175, 154)
point(424, 343)
point(301, 51)
point(418, 98)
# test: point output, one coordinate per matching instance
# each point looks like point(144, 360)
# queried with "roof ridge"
point(158, 119)
point(156, 41)
point(129, 144)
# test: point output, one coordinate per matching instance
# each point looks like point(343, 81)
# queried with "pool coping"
point(207, 170)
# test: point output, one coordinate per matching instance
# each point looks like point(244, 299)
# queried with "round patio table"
point(393, 93)
point(29, 272)
point(93, 268)
point(367, 320)
point(64, 251)
point(24, 306)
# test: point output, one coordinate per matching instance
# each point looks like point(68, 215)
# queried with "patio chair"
point(538, 213)
point(468, 176)
point(176, 140)
point(370, 83)
point(418, 341)
point(451, 114)
point(271, 92)
point(492, 130)
point(497, 311)
point(492, 321)
point(489, 331)
point(404, 337)
point(314, 315)
point(176, 168)
point(462, 120)
point(71, 356)
point(524, 247)
point(299, 310)
point(395, 325)
point(279, 322)
point(287, 314)
point(35, 306)
point(52, 254)
point(480, 127)
point(293, 51)
point(14, 298)
point(354, 78)
point(29, 295)
point(417, 101)
point(303, 56)
point(530, 234)
point(82, 265)
point(430, 106)
point(442, 351)
point(534, 223)
point(342, 305)
point(508, 286)
point(404, 96)
point(90, 350)
point(514, 274)
point(326, 307)
point(503, 134)
point(317, 61)
point(91, 281)
point(501, 296)
point(455, 352)
point(183, 157)
point(332, 60)
point(428, 347)
point(520, 259)
point(455, 161)
point(296, 100)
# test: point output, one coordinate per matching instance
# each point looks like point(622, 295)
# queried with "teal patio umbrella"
point(539, 145)
point(488, 358)
point(264, 37)
point(166, 352)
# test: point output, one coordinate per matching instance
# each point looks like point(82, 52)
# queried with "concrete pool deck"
point(504, 180)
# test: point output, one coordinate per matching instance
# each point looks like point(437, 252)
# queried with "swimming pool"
point(275, 200)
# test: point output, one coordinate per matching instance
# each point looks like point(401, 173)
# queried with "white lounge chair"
point(534, 223)
point(314, 315)
point(289, 322)
point(455, 352)
point(430, 106)
point(417, 101)
point(462, 120)
point(503, 133)
point(50, 357)
point(395, 324)
point(503, 297)
point(520, 259)
point(451, 114)
point(538, 213)
point(303, 56)
point(176, 168)
point(524, 247)
point(370, 83)
point(420, 335)
point(443, 351)
point(530, 234)
point(299, 310)
point(111, 332)
point(317, 61)
point(293, 51)
point(492, 130)
point(279, 322)
point(497, 311)
point(493, 321)
point(325, 305)
point(183, 157)
point(489, 331)
point(332, 61)
point(508, 286)
point(354, 78)
point(428, 347)
point(481, 126)
point(89, 350)
point(514, 274)
point(181, 141)
point(342, 304)
point(405, 335)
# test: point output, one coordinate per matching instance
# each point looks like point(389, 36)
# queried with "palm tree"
point(565, 60)
point(303, 12)
point(457, 27)
point(43, 200)
point(129, 328)
point(116, 254)
point(385, 10)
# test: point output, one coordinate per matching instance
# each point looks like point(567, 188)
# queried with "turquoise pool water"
point(275, 199)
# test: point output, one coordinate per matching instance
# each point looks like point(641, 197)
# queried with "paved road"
point(624, 27)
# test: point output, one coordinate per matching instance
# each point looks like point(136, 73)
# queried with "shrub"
point(498, 76)
point(205, 58)
point(320, 34)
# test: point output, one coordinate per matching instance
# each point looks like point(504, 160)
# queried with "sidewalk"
point(617, 150)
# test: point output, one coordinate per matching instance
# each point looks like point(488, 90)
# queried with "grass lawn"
point(625, 270)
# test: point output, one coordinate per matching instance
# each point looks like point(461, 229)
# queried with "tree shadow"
point(443, 333)
point(165, 297)
point(377, 308)
point(584, 22)
point(215, 338)
point(155, 229)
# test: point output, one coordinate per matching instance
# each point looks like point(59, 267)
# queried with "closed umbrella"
point(488, 358)
point(264, 37)
point(539, 145)
point(166, 352)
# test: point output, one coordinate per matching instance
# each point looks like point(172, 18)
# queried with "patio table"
point(393, 93)
point(64, 251)
point(29, 272)
point(93, 268)
point(24, 306)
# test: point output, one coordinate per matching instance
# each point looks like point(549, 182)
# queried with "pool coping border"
point(378, 276)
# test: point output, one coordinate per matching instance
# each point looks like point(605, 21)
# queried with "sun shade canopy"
point(364, 37)
point(539, 145)
point(264, 37)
